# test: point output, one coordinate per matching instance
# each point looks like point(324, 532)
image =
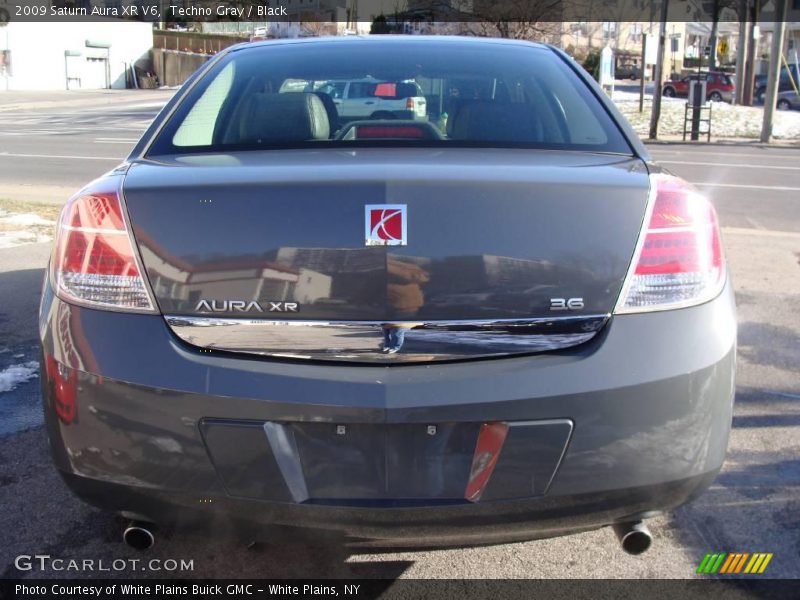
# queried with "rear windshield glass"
point(389, 93)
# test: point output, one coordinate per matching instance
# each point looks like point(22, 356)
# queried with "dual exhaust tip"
point(634, 536)
point(139, 536)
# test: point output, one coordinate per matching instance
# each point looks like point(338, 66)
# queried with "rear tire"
point(784, 104)
point(633, 77)
point(669, 92)
point(715, 97)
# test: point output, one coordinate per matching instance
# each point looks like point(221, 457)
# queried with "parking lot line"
point(779, 188)
point(67, 156)
point(737, 165)
point(760, 232)
point(774, 153)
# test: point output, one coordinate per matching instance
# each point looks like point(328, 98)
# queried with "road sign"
point(651, 49)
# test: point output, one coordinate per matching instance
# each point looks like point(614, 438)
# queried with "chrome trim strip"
point(386, 342)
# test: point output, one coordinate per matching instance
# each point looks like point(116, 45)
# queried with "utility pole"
point(752, 47)
point(713, 39)
point(659, 76)
point(741, 50)
point(643, 72)
point(773, 77)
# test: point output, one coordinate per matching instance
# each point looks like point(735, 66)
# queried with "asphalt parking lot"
point(49, 147)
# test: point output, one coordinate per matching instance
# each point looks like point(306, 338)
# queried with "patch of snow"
point(10, 239)
point(25, 220)
point(727, 121)
point(17, 229)
point(786, 124)
point(14, 375)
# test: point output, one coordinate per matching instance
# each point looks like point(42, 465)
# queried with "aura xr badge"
point(245, 306)
point(385, 224)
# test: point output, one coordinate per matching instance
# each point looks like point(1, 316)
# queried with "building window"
point(579, 28)
point(609, 30)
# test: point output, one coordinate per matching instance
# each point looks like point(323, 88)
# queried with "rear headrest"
point(289, 117)
point(330, 109)
point(489, 121)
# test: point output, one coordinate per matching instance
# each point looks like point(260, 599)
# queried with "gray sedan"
point(788, 101)
point(503, 322)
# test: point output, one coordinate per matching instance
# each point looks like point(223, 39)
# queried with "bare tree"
point(317, 28)
point(516, 19)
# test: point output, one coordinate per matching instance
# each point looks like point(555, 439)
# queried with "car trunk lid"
point(507, 251)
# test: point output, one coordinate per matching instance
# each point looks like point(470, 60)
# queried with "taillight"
point(409, 103)
point(94, 262)
point(679, 261)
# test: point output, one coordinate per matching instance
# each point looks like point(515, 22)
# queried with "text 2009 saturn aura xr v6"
point(492, 318)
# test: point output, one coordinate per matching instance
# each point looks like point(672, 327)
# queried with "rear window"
point(387, 93)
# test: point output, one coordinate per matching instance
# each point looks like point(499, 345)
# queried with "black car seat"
point(291, 117)
point(483, 121)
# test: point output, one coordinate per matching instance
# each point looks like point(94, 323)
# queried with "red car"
point(719, 86)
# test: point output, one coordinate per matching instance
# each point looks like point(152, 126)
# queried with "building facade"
point(67, 55)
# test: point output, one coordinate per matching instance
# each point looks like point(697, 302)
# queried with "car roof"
point(390, 39)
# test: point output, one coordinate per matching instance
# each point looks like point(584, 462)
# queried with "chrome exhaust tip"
point(138, 536)
point(634, 537)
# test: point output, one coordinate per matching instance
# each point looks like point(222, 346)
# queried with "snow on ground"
point(25, 219)
point(10, 239)
point(727, 121)
point(14, 375)
point(17, 229)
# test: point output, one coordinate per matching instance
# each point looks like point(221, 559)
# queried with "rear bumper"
point(648, 402)
point(429, 526)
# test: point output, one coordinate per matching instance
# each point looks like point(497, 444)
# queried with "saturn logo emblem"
point(385, 224)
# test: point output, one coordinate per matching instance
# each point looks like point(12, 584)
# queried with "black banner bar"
point(393, 12)
point(367, 589)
